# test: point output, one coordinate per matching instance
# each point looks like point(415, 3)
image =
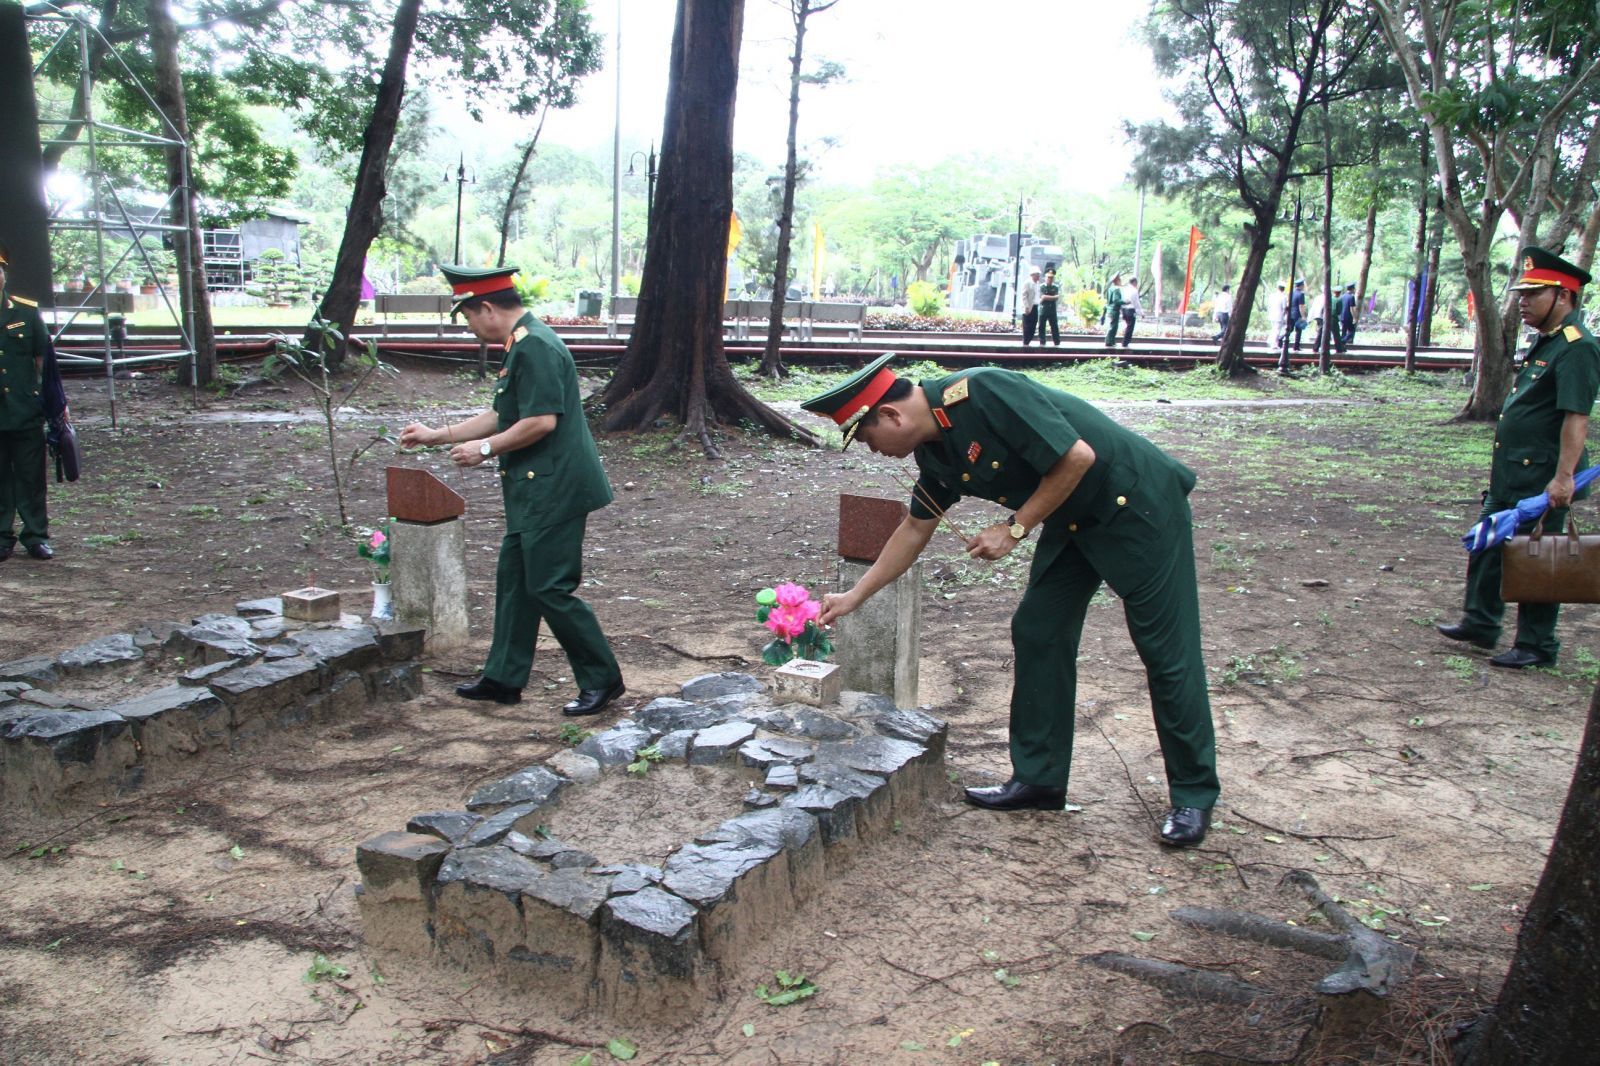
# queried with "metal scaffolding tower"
point(105, 211)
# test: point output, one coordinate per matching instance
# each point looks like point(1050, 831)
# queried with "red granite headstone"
point(865, 523)
point(418, 496)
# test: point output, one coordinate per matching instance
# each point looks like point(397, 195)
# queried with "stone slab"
point(102, 653)
point(535, 784)
point(428, 580)
point(175, 719)
point(880, 642)
point(865, 525)
point(57, 756)
point(418, 496)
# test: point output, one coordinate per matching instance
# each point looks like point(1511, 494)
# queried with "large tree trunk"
point(772, 356)
point(190, 247)
point(674, 363)
point(516, 184)
point(1430, 304)
point(365, 219)
point(1368, 242)
point(1230, 355)
point(1551, 997)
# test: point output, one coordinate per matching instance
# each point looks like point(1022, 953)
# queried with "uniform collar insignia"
point(503, 372)
point(955, 393)
point(940, 417)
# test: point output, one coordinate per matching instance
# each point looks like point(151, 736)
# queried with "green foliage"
point(276, 279)
point(647, 755)
point(1086, 306)
point(322, 968)
point(924, 299)
point(532, 290)
point(786, 988)
point(573, 735)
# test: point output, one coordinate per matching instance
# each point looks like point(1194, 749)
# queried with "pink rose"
point(377, 539)
point(791, 595)
point(786, 622)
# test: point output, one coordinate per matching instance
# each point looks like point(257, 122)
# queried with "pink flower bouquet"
point(790, 612)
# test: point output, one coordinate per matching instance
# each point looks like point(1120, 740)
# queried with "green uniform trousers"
point(22, 487)
point(1151, 567)
point(1483, 608)
point(1113, 323)
point(537, 581)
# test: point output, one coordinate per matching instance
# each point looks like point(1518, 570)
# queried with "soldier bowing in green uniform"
point(1538, 447)
point(550, 478)
point(23, 351)
point(1110, 506)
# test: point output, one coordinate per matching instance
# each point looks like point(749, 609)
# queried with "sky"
point(1051, 80)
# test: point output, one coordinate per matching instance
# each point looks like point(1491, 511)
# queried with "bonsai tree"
point(275, 279)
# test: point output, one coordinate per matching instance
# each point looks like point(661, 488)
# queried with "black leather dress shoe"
point(1185, 827)
point(488, 689)
point(40, 551)
point(1016, 796)
point(593, 700)
point(1520, 659)
point(1460, 631)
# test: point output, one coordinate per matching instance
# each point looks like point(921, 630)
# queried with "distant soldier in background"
point(1113, 309)
point(30, 392)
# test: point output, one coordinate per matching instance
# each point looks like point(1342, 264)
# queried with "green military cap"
point(849, 402)
point(468, 283)
point(1541, 269)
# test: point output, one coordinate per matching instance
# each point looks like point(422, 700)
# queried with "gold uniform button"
point(1497, 444)
point(1000, 499)
point(530, 475)
point(966, 477)
point(502, 473)
point(1072, 527)
point(1527, 462)
point(995, 464)
point(1122, 501)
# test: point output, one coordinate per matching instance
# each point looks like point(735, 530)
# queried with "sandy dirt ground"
point(180, 923)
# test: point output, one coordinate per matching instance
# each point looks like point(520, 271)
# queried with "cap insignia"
point(1527, 262)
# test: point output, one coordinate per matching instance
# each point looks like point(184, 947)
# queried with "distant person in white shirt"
point(1222, 311)
point(1030, 306)
point(1130, 308)
point(1277, 303)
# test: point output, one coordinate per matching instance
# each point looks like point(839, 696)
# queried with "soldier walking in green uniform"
point(1538, 447)
point(550, 478)
point(1113, 309)
point(23, 352)
point(1110, 506)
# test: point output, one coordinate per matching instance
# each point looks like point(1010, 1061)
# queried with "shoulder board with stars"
point(25, 302)
point(516, 335)
point(1573, 334)
point(954, 393)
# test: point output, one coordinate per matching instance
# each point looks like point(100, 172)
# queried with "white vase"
point(382, 603)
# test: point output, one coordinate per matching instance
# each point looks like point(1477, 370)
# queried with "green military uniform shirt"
point(559, 476)
point(26, 339)
point(1561, 375)
point(1002, 432)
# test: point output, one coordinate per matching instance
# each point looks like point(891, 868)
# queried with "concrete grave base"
point(495, 893)
point(92, 722)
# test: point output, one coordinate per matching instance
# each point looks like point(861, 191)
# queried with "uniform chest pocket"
point(987, 462)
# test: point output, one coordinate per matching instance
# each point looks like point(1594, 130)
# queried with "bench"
point(623, 308)
point(851, 318)
point(406, 303)
point(737, 315)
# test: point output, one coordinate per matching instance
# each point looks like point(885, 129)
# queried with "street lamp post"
point(462, 180)
point(1294, 216)
point(649, 188)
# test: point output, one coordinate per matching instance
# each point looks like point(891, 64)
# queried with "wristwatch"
point(484, 449)
point(1017, 530)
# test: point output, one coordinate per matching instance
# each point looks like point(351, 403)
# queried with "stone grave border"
point(249, 675)
point(485, 889)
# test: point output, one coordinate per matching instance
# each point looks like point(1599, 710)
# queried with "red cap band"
point(1550, 277)
point(868, 397)
point(465, 290)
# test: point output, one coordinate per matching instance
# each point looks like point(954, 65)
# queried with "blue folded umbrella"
point(1502, 525)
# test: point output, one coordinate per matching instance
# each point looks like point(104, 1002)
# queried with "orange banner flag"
point(1195, 237)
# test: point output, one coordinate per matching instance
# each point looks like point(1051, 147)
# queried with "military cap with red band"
point(467, 283)
point(1542, 269)
point(848, 403)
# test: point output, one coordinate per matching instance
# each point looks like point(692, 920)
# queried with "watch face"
point(484, 449)
point(1018, 530)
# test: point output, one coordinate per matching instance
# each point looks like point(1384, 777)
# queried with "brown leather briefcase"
point(1554, 569)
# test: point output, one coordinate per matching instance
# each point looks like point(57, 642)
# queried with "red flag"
point(1471, 311)
point(1195, 237)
